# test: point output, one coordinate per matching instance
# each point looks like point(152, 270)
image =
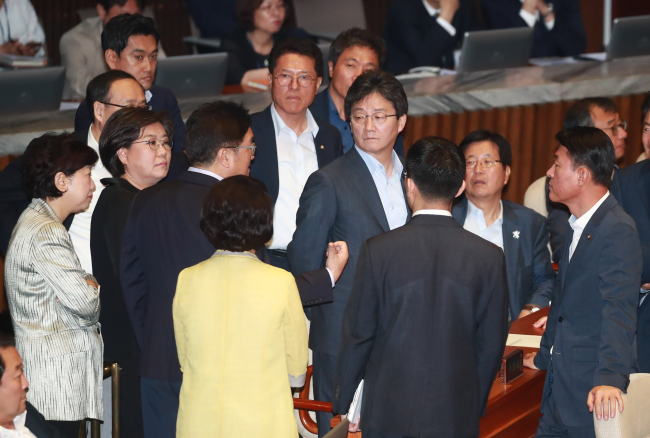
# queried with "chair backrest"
point(329, 18)
point(634, 421)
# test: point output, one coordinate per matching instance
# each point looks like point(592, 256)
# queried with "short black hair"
point(436, 167)
point(505, 150)
point(120, 28)
point(244, 11)
point(299, 46)
point(382, 83)
point(123, 128)
point(357, 37)
point(592, 148)
point(213, 126)
point(48, 155)
point(6, 341)
point(108, 4)
point(645, 107)
point(579, 114)
point(237, 214)
point(99, 89)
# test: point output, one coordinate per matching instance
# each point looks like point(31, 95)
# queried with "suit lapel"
point(511, 230)
point(325, 152)
point(360, 175)
point(267, 153)
point(402, 180)
point(459, 211)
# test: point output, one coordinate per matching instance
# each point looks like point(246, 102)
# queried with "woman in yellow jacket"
point(240, 328)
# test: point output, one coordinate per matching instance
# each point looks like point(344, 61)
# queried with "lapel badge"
point(516, 234)
point(589, 237)
point(322, 146)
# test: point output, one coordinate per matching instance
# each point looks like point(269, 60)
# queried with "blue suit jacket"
point(528, 262)
point(592, 320)
point(161, 99)
point(339, 202)
point(567, 38)
point(320, 108)
point(265, 165)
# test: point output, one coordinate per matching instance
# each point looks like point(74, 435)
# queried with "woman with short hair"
point(240, 329)
point(54, 304)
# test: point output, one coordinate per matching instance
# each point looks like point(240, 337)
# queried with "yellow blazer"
point(240, 332)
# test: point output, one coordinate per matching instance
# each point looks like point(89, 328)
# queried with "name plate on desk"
point(512, 366)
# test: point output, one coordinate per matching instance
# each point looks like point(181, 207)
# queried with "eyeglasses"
point(284, 80)
point(488, 164)
point(378, 118)
point(616, 128)
point(154, 144)
point(147, 107)
point(268, 8)
point(252, 147)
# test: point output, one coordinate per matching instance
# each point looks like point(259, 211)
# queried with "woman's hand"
point(259, 78)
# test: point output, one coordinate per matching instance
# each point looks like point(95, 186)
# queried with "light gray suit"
point(55, 315)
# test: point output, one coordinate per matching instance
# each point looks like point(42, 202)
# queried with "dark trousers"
point(279, 261)
point(324, 367)
point(551, 426)
point(374, 434)
point(159, 407)
point(130, 401)
point(67, 429)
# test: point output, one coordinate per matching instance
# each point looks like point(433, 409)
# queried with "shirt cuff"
point(529, 18)
point(451, 30)
point(550, 24)
point(297, 382)
point(331, 277)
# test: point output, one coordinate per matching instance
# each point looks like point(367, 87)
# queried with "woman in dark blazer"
point(135, 146)
point(264, 23)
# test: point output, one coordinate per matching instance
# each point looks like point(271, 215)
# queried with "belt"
point(278, 253)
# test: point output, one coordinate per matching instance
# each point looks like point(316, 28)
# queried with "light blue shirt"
point(475, 223)
point(389, 189)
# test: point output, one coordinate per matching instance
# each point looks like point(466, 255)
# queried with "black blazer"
point(320, 109)
point(161, 238)
point(161, 99)
point(414, 38)
point(339, 202)
point(567, 38)
point(38, 425)
point(426, 326)
point(528, 262)
point(592, 320)
point(265, 165)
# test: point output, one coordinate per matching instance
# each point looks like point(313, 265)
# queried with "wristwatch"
point(531, 307)
point(549, 11)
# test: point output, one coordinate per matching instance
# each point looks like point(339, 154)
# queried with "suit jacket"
point(414, 38)
point(161, 238)
point(426, 326)
point(528, 263)
point(161, 99)
point(265, 165)
point(14, 199)
point(37, 424)
point(592, 320)
point(634, 184)
point(339, 202)
point(567, 38)
point(320, 108)
point(55, 314)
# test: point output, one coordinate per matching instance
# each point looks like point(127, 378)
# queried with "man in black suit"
point(520, 232)
point(130, 44)
point(292, 144)
point(351, 53)
point(426, 32)
point(162, 237)
point(558, 25)
point(588, 347)
point(357, 196)
point(426, 322)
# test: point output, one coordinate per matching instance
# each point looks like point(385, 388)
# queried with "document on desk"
point(523, 341)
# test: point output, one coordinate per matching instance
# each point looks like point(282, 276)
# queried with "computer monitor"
point(31, 90)
point(193, 75)
point(325, 50)
point(496, 49)
point(630, 37)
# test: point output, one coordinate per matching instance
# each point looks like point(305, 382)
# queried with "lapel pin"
point(322, 147)
point(515, 234)
point(589, 237)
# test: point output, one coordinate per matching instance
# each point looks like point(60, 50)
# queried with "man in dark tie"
point(357, 196)
point(588, 347)
point(426, 322)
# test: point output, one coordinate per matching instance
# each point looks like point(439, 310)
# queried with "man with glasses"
point(292, 143)
point(519, 231)
point(358, 196)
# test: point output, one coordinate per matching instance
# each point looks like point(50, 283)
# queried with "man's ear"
point(121, 154)
point(61, 182)
point(401, 123)
point(461, 190)
point(111, 58)
point(98, 110)
point(507, 172)
point(222, 157)
point(101, 12)
point(583, 175)
point(330, 66)
point(318, 82)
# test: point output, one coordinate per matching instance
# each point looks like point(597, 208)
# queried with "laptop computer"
point(193, 75)
point(31, 90)
point(630, 37)
point(496, 49)
point(325, 50)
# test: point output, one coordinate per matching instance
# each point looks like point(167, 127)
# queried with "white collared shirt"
point(389, 188)
point(579, 224)
point(441, 21)
point(80, 228)
point(475, 223)
point(205, 172)
point(20, 430)
point(531, 19)
point(148, 95)
point(18, 21)
point(433, 212)
point(296, 161)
